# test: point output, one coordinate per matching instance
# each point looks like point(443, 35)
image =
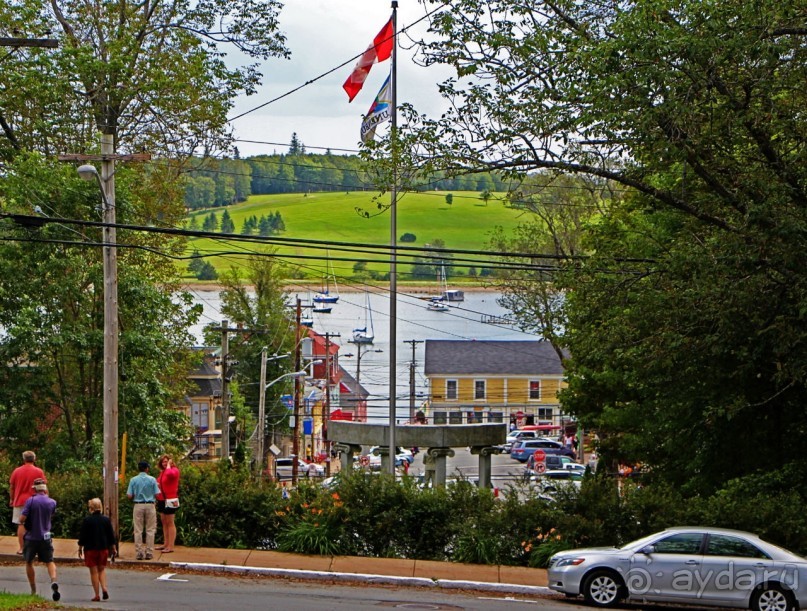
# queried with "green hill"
point(362, 218)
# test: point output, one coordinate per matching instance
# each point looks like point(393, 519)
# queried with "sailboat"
point(436, 304)
point(365, 334)
point(325, 295)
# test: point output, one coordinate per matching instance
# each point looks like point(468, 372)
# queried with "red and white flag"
point(378, 51)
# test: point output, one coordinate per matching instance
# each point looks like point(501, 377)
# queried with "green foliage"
point(316, 527)
point(685, 317)
point(371, 515)
point(407, 237)
point(21, 601)
point(223, 506)
point(207, 271)
point(227, 225)
point(256, 298)
point(51, 310)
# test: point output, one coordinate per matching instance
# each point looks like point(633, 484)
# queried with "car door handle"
point(691, 562)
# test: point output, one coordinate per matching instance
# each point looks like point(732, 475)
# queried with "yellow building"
point(493, 381)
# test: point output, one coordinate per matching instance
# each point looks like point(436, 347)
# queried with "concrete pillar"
point(383, 451)
point(346, 453)
point(439, 455)
point(485, 453)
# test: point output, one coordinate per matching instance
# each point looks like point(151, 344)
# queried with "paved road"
point(146, 590)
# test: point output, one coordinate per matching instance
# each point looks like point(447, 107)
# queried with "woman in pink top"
point(168, 501)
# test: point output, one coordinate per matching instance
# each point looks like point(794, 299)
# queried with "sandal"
point(96, 599)
point(168, 551)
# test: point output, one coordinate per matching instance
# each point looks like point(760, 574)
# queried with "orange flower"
point(335, 495)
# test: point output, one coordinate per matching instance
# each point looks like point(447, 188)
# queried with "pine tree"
point(227, 225)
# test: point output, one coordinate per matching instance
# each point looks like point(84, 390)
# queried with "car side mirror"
point(647, 549)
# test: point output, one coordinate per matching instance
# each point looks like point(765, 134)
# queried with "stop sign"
point(539, 455)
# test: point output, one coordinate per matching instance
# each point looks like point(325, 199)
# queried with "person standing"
point(21, 488)
point(142, 491)
point(168, 501)
point(96, 542)
point(36, 517)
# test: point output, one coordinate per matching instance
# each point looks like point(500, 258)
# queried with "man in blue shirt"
point(36, 517)
point(142, 491)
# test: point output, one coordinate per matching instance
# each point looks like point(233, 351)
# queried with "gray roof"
point(206, 388)
point(357, 391)
point(491, 357)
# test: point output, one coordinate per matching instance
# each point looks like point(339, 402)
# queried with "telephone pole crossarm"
point(47, 43)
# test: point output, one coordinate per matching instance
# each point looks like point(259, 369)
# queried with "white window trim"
point(456, 389)
point(485, 392)
point(540, 389)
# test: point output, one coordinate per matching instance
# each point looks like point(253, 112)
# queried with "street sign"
point(540, 455)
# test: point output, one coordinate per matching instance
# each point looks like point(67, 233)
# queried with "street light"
point(360, 354)
point(110, 400)
point(262, 404)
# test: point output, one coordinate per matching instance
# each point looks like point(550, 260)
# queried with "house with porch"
point(493, 381)
point(203, 408)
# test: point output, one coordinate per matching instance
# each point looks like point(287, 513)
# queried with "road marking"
point(509, 599)
point(168, 576)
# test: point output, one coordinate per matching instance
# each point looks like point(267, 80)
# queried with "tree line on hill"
point(214, 183)
point(265, 226)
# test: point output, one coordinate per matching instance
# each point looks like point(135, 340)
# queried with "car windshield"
point(639, 543)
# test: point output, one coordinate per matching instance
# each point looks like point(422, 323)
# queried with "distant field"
point(333, 217)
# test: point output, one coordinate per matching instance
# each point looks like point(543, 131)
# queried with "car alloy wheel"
point(602, 589)
point(772, 598)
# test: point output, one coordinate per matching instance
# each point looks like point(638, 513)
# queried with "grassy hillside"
point(465, 224)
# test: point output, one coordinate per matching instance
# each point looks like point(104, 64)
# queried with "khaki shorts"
point(16, 515)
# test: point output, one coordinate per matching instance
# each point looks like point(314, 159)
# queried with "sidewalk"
point(423, 573)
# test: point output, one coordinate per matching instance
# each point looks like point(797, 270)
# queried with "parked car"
point(515, 436)
point(698, 566)
point(573, 466)
point(284, 465)
point(522, 450)
point(401, 456)
point(551, 481)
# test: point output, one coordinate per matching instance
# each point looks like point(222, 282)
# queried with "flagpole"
point(393, 271)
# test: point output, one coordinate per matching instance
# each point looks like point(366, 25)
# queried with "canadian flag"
point(378, 51)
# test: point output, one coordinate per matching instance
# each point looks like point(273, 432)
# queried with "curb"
point(422, 582)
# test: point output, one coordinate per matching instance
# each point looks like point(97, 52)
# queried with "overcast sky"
point(322, 34)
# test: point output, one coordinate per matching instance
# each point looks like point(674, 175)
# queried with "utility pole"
point(414, 343)
point(298, 395)
point(326, 410)
point(261, 412)
point(225, 391)
point(106, 182)
point(226, 376)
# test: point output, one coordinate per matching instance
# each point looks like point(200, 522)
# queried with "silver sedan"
point(699, 566)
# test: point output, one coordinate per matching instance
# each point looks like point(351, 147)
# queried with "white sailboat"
point(325, 296)
point(438, 305)
point(365, 334)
